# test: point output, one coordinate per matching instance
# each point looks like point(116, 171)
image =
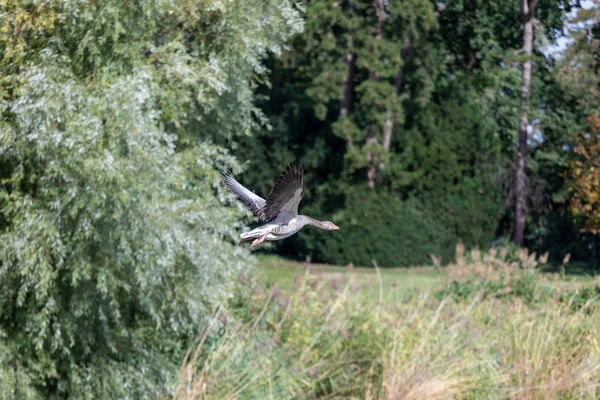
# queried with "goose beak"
point(335, 227)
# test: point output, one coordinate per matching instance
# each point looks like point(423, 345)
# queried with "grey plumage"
point(286, 193)
point(284, 197)
point(253, 201)
point(280, 209)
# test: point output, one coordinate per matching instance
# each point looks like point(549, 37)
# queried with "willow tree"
point(115, 244)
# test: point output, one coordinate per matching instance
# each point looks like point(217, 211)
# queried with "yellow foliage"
point(23, 21)
point(585, 173)
point(23, 24)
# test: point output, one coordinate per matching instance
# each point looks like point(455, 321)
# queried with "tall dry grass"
point(497, 339)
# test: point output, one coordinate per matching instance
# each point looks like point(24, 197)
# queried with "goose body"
point(279, 210)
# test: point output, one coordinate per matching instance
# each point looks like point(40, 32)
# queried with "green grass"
point(395, 282)
point(575, 270)
point(487, 330)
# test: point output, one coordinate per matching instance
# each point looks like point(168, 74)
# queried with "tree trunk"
point(527, 9)
point(370, 139)
point(594, 251)
point(348, 89)
point(378, 4)
point(371, 171)
point(388, 127)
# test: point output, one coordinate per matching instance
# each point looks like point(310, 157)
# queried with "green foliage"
point(508, 274)
point(116, 245)
point(309, 343)
point(584, 298)
point(355, 29)
point(508, 248)
point(451, 163)
point(380, 227)
point(454, 115)
point(108, 235)
point(523, 286)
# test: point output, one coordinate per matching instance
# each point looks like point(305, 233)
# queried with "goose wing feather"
point(253, 201)
point(286, 194)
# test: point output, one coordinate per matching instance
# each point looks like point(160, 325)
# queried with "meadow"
point(395, 282)
point(491, 326)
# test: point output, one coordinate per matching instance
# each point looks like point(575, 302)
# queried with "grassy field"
point(490, 326)
point(391, 283)
point(395, 282)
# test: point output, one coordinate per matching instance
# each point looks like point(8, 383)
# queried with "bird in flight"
point(279, 210)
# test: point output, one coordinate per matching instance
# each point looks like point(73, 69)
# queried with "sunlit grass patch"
point(553, 355)
point(393, 285)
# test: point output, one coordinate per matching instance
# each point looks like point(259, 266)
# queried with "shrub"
point(507, 273)
point(584, 298)
point(378, 226)
point(112, 252)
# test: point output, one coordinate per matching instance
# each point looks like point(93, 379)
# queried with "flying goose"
point(279, 210)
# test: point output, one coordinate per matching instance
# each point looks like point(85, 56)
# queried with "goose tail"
point(245, 235)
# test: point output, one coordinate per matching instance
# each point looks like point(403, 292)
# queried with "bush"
point(504, 274)
point(378, 226)
point(469, 213)
point(113, 251)
point(584, 298)
point(116, 246)
point(450, 160)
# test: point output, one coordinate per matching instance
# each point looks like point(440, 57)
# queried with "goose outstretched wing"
point(253, 201)
point(285, 195)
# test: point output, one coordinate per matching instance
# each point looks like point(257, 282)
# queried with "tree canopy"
point(420, 101)
point(116, 246)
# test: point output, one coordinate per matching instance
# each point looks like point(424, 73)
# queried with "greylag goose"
point(279, 210)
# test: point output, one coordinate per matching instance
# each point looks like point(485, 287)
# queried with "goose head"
point(330, 226)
